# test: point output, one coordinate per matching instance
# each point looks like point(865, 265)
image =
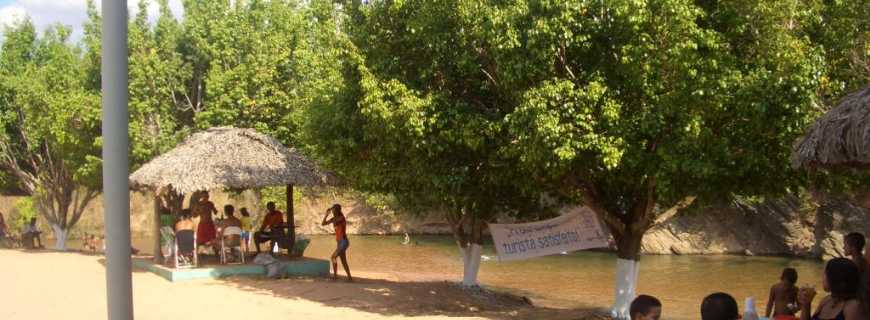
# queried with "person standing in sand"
point(205, 231)
point(340, 224)
point(246, 228)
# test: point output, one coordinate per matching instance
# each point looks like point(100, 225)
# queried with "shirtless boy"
point(783, 295)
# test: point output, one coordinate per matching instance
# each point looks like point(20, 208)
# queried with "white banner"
point(577, 229)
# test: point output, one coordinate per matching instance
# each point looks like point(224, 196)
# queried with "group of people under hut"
point(845, 279)
point(209, 231)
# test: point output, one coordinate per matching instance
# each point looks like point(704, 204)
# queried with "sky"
point(71, 13)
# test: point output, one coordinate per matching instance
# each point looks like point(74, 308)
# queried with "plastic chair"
point(185, 244)
point(231, 238)
point(167, 243)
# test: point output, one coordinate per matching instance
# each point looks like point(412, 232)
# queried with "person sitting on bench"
point(31, 233)
point(274, 219)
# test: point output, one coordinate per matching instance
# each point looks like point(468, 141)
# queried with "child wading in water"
point(783, 296)
point(340, 224)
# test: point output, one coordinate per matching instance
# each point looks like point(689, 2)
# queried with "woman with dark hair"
point(340, 224)
point(842, 279)
point(853, 248)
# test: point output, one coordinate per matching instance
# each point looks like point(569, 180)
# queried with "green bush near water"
point(24, 211)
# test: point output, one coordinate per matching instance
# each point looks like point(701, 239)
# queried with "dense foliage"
point(244, 63)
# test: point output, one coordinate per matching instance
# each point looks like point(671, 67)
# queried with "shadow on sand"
point(392, 298)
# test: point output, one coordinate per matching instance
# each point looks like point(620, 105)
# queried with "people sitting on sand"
point(273, 219)
point(645, 307)
point(33, 235)
point(206, 232)
point(853, 245)
point(719, 306)
point(246, 227)
point(842, 280)
point(782, 302)
point(342, 243)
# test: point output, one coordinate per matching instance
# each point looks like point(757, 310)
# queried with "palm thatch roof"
point(840, 138)
point(228, 158)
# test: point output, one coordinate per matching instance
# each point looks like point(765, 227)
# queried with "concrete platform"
point(294, 267)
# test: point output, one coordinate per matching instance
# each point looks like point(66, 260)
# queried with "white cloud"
point(71, 13)
point(10, 15)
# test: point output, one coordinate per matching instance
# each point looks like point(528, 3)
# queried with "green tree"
point(50, 123)
point(159, 115)
point(637, 108)
point(254, 63)
point(417, 115)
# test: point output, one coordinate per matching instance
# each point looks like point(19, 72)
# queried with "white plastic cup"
point(749, 312)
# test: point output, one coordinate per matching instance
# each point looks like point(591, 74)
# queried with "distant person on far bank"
point(853, 245)
point(340, 224)
point(645, 307)
point(33, 234)
point(841, 279)
point(782, 302)
point(274, 219)
point(719, 306)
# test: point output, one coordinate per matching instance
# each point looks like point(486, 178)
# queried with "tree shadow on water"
point(392, 298)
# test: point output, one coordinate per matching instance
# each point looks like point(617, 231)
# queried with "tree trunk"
point(469, 245)
point(627, 268)
point(471, 255)
point(291, 220)
point(470, 264)
point(60, 235)
point(158, 253)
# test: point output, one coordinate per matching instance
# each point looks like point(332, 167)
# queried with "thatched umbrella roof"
point(226, 157)
point(840, 138)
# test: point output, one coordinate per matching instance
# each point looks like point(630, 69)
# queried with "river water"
point(575, 280)
point(580, 279)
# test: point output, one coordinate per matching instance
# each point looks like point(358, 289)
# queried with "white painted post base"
point(59, 234)
point(626, 283)
point(470, 264)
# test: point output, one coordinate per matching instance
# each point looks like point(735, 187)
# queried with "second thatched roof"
point(840, 138)
point(226, 157)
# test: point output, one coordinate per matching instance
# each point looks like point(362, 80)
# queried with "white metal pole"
point(116, 194)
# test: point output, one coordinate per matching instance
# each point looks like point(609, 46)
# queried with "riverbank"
point(790, 227)
point(68, 285)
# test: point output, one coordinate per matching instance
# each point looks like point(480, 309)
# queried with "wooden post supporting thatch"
point(291, 223)
point(158, 255)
